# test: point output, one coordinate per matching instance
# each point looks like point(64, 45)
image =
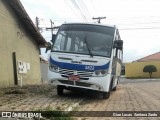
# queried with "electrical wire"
point(137, 23)
point(143, 28)
point(85, 9)
point(71, 8)
point(78, 8)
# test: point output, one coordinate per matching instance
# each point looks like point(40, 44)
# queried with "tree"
point(150, 69)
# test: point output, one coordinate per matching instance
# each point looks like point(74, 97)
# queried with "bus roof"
point(92, 24)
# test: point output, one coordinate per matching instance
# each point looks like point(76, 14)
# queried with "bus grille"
point(84, 75)
point(66, 82)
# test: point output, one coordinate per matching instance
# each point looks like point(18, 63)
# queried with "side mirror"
point(118, 44)
point(53, 38)
point(49, 46)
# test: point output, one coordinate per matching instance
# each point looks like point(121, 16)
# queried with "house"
point(152, 57)
point(20, 46)
point(135, 69)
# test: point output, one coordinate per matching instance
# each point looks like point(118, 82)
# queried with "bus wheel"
point(60, 90)
point(106, 95)
point(115, 88)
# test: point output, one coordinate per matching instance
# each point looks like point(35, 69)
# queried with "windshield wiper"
point(88, 47)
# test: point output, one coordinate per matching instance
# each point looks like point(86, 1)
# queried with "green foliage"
point(51, 114)
point(150, 69)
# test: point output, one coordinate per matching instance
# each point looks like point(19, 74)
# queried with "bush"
point(150, 69)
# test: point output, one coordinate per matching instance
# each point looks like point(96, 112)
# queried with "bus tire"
point(60, 90)
point(106, 95)
point(115, 88)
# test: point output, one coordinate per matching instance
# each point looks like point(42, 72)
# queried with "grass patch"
point(51, 114)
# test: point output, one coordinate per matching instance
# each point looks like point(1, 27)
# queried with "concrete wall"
point(135, 69)
point(14, 38)
point(44, 72)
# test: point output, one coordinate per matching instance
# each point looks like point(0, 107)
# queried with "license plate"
point(74, 77)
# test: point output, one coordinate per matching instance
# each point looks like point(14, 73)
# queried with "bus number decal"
point(89, 67)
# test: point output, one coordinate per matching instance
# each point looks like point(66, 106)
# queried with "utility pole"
point(51, 26)
point(49, 45)
point(37, 23)
point(99, 19)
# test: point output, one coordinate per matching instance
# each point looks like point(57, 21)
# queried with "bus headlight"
point(97, 72)
point(101, 73)
point(53, 68)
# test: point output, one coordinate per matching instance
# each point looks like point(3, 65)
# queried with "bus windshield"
point(87, 39)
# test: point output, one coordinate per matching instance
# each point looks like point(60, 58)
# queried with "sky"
point(138, 20)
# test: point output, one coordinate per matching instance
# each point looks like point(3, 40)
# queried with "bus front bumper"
point(77, 84)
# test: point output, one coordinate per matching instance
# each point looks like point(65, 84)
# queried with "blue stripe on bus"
point(79, 67)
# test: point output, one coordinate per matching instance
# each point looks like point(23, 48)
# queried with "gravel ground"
point(33, 98)
point(131, 95)
point(138, 95)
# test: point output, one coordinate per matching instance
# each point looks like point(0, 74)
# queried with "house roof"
point(152, 57)
point(22, 15)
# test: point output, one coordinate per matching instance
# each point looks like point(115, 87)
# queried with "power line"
point(155, 22)
point(138, 20)
point(85, 9)
point(78, 8)
point(140, 28)
point(66, 19)
point(71, 8)
point(92, 4)
point(138, 17)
